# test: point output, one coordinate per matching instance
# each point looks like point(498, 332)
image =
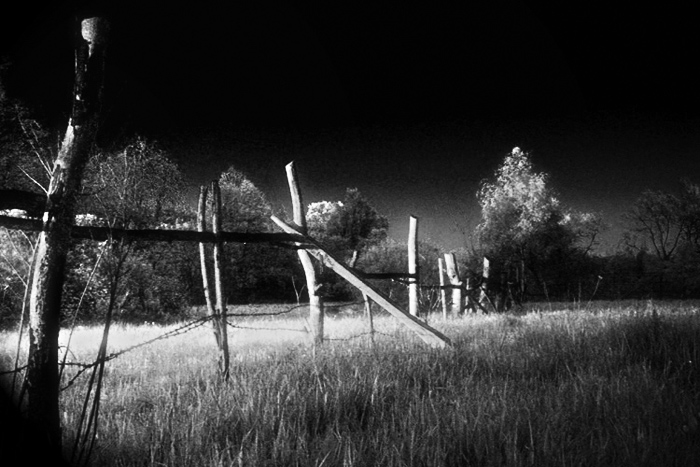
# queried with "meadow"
point(611, 384)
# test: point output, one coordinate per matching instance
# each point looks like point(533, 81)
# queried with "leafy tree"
point(137, 187)
point(526, 231)
point(245, 207)
point(348, 226)
point(253, 272)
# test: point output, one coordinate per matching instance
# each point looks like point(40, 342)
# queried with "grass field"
point(611, 385)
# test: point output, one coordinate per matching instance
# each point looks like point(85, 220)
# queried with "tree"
point(347, 229)
point(667, 226)
point(690, 214)
point(253, 272)
point(347, 226)
point(26, 147)
point(657, 222)
point(137, 187)
point(526, 231)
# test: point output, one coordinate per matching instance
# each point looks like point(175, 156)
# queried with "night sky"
point(414, 105)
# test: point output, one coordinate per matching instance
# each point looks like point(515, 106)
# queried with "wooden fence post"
point(315, 299)
point(54, 241)
point(218, 282)
point(413, 282)
point(468, 303)
point(370, 318)
point(425, 332)
point(443, 293)
point(211, 309)
point(453, 275)
point(483, 295)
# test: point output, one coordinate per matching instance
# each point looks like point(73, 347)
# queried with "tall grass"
point(611, 386)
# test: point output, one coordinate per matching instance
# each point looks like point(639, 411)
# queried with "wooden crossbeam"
point(425, 332)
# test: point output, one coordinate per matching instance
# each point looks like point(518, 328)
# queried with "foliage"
point(664, 235)
point(26, 147)
point(136, 187)
point(253, 272)
point(529, 236)
point(665, 223)
point(348, 226)
point(345, 228)
point(26, 150)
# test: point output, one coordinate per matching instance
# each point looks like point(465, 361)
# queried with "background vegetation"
point(539, 248)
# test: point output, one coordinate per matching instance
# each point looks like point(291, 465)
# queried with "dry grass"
point(615, 385)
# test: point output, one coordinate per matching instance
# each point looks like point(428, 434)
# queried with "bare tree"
point(656, 222)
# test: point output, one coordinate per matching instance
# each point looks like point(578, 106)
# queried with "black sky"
point(413, 105)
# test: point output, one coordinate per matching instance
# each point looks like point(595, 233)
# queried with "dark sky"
point(413, 105)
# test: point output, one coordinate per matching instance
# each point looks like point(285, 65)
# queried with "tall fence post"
point(315, 299)
point(202, 227)
point(219, 283)
point(413, 281)
point(443, 293)
point(54, 241)
point(453, 276)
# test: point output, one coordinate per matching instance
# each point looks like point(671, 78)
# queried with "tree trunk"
point(54, 241)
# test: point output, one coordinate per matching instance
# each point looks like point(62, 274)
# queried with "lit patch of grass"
point(613, 386)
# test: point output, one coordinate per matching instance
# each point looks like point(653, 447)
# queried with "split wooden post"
point(219, 283)
point(443, 293)
point(483, 295)
point(212, 309)
point(315, 299)
point(413, 281)
point(453, 275)
point(202, 227)
point(425, 332)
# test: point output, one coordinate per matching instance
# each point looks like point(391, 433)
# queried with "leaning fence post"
point(443, 294)
point(315, 300)
point(413, 281)
point(218, 280)
point(453, 275)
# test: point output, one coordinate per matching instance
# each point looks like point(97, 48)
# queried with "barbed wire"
point(196, 323)
point(189, 326)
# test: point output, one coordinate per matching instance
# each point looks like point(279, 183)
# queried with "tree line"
point(538, 248)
